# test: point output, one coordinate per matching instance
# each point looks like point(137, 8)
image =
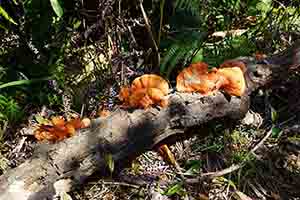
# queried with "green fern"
point(228, 48)
point(181, 51)
point(170, 54)
point(191, 6)
point(9, 110)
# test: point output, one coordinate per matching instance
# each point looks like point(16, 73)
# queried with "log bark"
point(124, 134)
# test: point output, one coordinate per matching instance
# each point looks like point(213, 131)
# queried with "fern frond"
point(181, 50)
point(170, 54)
point(190, 6)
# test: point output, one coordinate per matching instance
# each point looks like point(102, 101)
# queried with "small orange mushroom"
point(146, 90)
point(151, 81)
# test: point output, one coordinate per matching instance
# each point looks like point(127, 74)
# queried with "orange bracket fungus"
point(146, 90)
point(234, 63)
point(235, 83)
point(197, 78)
point(59, 129)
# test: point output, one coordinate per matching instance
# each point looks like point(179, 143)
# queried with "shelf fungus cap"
point(146, 90)
point(150, 81)
point(197, 78)
point(235, 84)
point(234, 63)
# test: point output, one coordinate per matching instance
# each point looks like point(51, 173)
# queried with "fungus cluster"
point(197, 78)
point(58, 129)
point(146, 90)
point(150, 89)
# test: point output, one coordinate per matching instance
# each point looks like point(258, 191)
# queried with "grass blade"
point(6, 16)
point(57, 8)
point(23, 82)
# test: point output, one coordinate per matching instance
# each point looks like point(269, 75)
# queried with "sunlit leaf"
point(274, 114)
point(264, 5)
point(6, 16)
point(77, 24)
point(175, 189)
point(65, 196)
point(57, 8)
point(109, 161)
point(198, 57)
point(23, 82)
point(15, 2)
point(41, 120)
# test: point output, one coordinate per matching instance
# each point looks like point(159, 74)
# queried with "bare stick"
point(119, 184)
point(258, 145)
point(148, 27)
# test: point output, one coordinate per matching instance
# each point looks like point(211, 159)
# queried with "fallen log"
point(123, 134)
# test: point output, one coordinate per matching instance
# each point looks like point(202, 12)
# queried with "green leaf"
point(193, 166)
point(77, 24)
point(6, 16)
point(275, 132)
point(23, 82)
point(274, 114)
point(57, 8)
point(109, 162)
point(175, 189)
point(41, 120)
point(264, 5)
point(171, 52)
point(198, 57)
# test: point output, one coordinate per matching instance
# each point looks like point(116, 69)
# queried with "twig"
point(136, 22)
point(223, 34)
point(82, 110)
point(132, 36)
point(148, 27)
point(119, 184)
point(232, 168)
point(119, 8)
point(162, 4)
point(258, 145)
point(211, 175)
point(20, 145)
